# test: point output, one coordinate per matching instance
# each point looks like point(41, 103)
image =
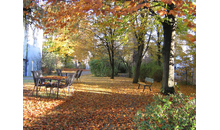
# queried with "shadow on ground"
point(97, 103)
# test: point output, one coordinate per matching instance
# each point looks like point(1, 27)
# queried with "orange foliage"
point(73, 10)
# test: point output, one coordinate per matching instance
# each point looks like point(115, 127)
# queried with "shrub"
point(158, 74)
point(122, 68)
point(151, 70)
point(101, 68)
point(170, 112)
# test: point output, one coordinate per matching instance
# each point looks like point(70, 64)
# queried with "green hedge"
point(151, 70)
point(122, 68)
point(102, 68)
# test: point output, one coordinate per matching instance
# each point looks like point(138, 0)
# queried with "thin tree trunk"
point(158, 54)
point(112, 64)
point(112, 53)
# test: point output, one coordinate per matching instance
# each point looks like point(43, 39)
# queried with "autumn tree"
point(141, 26)
point(72, 39)
point(110, 30)
point(155, 49)
point(185, 54)
point(167, 12)
point(126, 53)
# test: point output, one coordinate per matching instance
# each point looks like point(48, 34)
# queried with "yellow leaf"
point(194, 29)
point(127, 3)
point(173, 2)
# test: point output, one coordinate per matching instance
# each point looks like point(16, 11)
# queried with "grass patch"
point(28, 81)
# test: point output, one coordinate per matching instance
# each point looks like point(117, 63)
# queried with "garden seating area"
point(97, 103)
point(148, 82)
point(40, 80)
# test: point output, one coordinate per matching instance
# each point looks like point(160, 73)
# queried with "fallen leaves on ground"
point(97, 103)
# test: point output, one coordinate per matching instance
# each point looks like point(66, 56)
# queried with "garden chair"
point(68, 82)
point(59, 72)
point(37, 74)
point(78, 76)
point(40, 74)
point(77, 72)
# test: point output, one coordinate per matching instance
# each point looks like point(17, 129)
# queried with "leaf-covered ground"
point(97, 103)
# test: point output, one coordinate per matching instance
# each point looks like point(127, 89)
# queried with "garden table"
point(67, 72)
point(58, 78)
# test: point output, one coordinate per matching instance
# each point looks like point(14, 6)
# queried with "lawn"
point(97, 103)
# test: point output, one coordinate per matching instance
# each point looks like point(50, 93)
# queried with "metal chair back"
point(78, 76)
point(69, 80)
point(59, 72)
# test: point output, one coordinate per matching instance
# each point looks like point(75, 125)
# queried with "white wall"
point(34, 38)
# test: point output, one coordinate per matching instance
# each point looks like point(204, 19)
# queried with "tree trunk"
point(137, 71)
point(194, 76)
point(168, 60)
point(129, 71)
point(158, 47)
point(138, 64)
point(171, 63)
point(113, 65)
point(158, 54)
point(168, 53)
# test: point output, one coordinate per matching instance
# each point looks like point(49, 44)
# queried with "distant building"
point(32, 49)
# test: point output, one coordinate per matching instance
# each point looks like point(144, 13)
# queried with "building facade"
point(32, 49)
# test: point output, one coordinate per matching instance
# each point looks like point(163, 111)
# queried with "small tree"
point(49, 60)
point(110, 30)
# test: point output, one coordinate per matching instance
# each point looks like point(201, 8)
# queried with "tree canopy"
point(73, 26)
point(58, 14)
